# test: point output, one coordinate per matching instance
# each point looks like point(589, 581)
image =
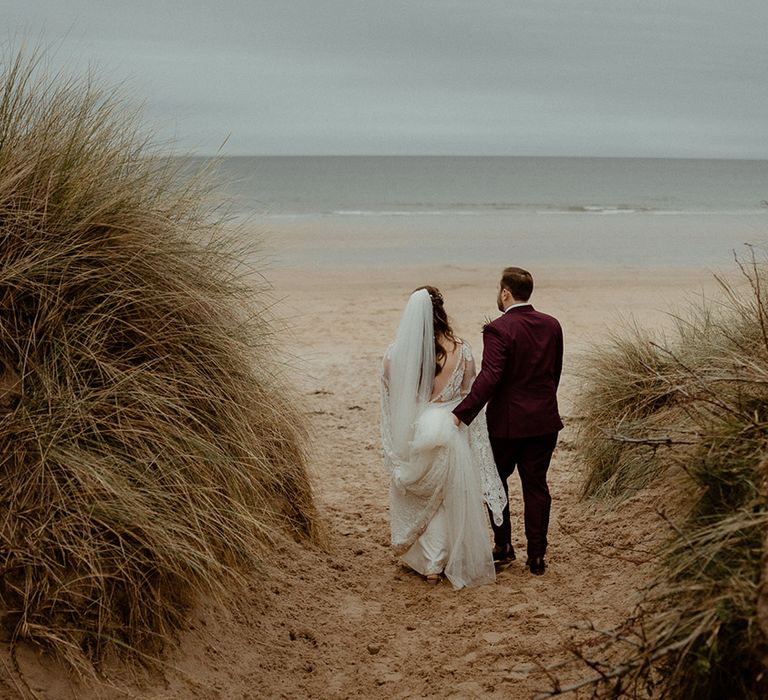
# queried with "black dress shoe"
point(502, 555)
point(536, 565)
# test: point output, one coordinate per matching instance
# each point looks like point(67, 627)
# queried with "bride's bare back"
point(455, 356)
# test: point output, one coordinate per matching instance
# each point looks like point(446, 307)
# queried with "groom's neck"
point(515, 302)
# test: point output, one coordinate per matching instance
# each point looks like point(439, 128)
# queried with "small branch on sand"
point(616, 673)
point(651, 441)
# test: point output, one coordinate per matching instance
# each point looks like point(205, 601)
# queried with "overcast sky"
point(681, 78)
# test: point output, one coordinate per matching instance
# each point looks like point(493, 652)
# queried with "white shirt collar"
point(514, 306)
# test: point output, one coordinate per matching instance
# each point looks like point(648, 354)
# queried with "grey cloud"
point(593, 77)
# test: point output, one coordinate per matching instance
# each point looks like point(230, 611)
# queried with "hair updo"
point(442, 326)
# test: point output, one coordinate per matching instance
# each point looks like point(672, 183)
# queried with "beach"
point(352, 622)
point(346, 620)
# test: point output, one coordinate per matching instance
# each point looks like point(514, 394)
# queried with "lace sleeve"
point(480, 445)
point(470, 371)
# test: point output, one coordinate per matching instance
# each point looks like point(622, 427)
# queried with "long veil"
point(411, 372)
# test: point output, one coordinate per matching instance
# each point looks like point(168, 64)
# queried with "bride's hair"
point(441, 325)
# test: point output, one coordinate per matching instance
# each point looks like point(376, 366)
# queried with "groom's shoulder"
point(550, 322)
point(546, 317)
point(531, 315)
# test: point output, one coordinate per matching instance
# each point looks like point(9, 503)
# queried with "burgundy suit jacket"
point(522, 363)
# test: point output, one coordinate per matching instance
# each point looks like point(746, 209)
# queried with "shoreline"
point(571, 240)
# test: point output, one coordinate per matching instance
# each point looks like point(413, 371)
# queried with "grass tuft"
point(695, 403)
point(149, 451)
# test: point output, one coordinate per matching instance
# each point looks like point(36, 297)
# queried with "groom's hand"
point(456, 420)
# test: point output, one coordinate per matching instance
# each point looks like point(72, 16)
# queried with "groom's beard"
point(498, 302)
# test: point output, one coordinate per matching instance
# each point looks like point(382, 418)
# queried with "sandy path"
point(349, 621)
point(362, 625)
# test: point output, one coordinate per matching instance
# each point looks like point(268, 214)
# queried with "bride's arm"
point(470, 370)
point(494, 360)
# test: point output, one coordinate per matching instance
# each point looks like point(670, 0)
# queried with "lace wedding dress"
point(441, 475)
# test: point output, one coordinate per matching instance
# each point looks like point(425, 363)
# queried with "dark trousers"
point(531, 456)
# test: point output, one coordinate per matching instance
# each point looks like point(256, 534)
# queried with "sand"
point(348, 621)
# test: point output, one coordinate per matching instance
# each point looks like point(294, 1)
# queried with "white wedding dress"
point(441, 475)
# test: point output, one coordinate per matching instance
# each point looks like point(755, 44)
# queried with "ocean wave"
point(406, 212)
point(481, 210)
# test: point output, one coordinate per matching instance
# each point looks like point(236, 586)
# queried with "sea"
point(476, 210)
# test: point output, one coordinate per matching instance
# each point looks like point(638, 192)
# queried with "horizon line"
point(193, 154)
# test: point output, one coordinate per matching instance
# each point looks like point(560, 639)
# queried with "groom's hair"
point(518, 282)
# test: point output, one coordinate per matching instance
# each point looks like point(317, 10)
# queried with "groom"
point(522, 362)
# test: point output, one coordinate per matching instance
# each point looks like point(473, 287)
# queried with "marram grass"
point(696, 402)
point(148, 448)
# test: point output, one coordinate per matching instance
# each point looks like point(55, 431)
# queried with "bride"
point(440, 474)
